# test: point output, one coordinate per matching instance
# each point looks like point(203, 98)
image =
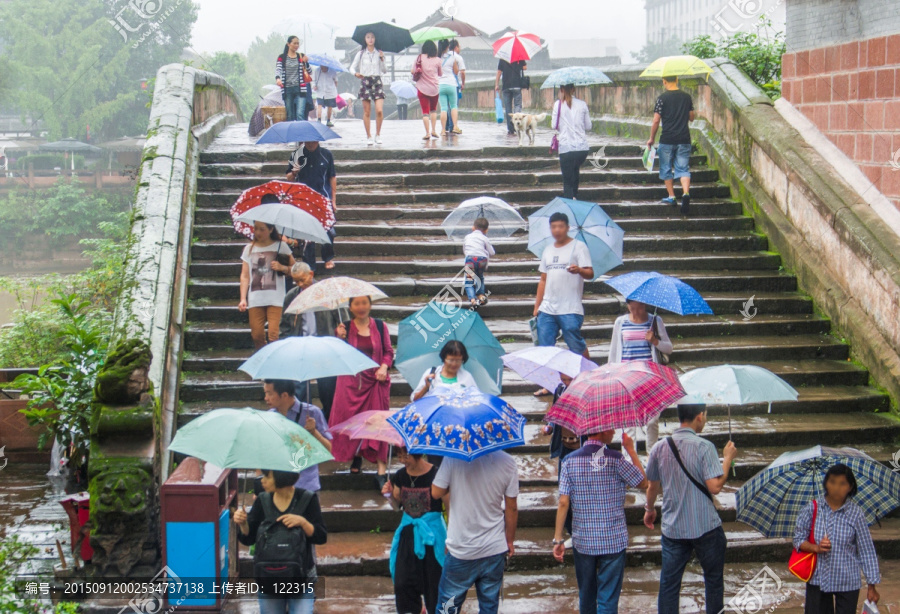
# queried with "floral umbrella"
point(297, 194)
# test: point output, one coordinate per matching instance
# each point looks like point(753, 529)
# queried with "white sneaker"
point(378, 139)
point(568, 544)
point(370, 141)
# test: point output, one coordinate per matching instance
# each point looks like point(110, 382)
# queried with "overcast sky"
point(231, 25)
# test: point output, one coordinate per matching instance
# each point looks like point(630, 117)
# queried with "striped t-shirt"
point(634, 341)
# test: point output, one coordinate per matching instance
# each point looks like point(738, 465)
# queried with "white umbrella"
point(289, 220)
point(543, 364)
point(503, 218)
point(333, 293)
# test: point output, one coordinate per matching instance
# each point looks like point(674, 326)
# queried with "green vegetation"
point(14, 553)
point(49, 161)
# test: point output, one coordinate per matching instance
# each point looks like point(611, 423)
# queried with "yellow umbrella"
point(677, 66)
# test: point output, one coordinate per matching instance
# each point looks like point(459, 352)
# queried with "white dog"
point(525, 124)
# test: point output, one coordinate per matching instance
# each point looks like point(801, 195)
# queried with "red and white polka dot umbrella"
point(517, 45)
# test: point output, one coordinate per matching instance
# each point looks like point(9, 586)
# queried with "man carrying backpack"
point(284, 524)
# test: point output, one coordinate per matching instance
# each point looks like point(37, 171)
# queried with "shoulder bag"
point(803, 564)
point(662, 359)
point(419, 71)
point(554, 142)
point(700, 486)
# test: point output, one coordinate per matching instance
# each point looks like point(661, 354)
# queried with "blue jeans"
point(674, 161)
point(473, 288)
point(512, 103)
point(548, 328)
point(277, 605)
point(295, 103)
point(599, 581)
point(710, 551)
point(486, 574)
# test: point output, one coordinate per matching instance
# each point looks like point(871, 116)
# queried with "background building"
point(686, 19)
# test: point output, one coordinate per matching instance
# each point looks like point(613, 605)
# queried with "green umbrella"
point(432, 34)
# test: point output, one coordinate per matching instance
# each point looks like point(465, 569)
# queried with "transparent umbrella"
point(503, 218)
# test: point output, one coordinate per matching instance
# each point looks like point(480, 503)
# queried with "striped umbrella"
point(616, 396)
point(516, 45)
point(297, 194)
point(772, 499)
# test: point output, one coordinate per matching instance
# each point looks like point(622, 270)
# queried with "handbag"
point(663, 359)
point(525, 81)
point(417, 74)
point(554, 142)
point(803, 564)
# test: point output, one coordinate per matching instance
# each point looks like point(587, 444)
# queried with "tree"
point(83, 65)
point(652, 50)
point(233, 67)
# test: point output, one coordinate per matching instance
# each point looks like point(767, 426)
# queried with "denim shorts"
point(675, 158)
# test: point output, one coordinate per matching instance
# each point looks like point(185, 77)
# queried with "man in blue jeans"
point(593, 481)
point(483, 517)
point(686, 468)
point(674, 108)
point(557, 306)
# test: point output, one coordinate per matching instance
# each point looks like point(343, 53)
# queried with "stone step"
point(448, 165)
point(598, 193)
point(350, 181)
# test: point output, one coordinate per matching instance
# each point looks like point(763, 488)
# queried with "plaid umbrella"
point(616, 396)
point(772, 499)
point(297, 194)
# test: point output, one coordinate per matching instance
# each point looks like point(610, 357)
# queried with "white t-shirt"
point(464, 379)
point(325, 84)
point(477, 244)
point(447, 61)
point(563, 292)
point(266, 286)
point(477, 526)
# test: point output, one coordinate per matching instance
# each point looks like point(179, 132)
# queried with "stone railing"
point(844, 253)
point(136, 398)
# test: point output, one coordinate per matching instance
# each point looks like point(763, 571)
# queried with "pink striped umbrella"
point(616, 396)
point(517, 45)
point(370, 425)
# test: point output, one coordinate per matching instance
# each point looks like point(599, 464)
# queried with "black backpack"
point(281, 552)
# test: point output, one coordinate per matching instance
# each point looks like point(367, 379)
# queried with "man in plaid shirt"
point(593, 481)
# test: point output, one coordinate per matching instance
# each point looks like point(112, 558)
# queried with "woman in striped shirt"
point(633, 338)
point(291, 71)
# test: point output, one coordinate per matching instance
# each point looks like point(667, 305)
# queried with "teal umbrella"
point(304, 358)
point(249, 439)
point(421, 336)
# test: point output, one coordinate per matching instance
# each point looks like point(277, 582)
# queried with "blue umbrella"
point(294, 132)
point(660, 291)
point(305, 358)
point(588, 223)
point(404, 89)
point(421, 336)
point(462, 424)
point(772, 499)
point(321, 59)
point(575, 75)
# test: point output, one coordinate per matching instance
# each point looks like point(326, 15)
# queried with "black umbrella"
point(388, 37)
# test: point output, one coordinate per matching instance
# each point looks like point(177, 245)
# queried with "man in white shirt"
point(482, 528)
point(558, 307)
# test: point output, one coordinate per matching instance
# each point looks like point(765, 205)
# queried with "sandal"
point(426, 138)
point(443, 133)
point(329, 265)
point(356, 465)
point(456, 131)
point(434, 136)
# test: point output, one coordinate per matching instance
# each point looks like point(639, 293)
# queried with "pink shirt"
point(431, 70)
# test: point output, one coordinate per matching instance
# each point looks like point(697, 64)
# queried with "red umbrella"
point(517, 45)
point(297, 194)
point(615, 396)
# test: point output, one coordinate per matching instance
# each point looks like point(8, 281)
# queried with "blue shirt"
point(837, 571)
point(686, 512)
point(309, 477)
point(595, 478)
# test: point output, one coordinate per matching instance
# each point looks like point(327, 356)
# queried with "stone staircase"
point(390, 205)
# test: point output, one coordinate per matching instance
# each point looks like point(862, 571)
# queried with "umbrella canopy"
point(588, 223)
point(323, 59)
point(404, 89)
point(272, 99)
point(504, 220)
point(72, 145)
point(369, 425)
point(661, 291)
point(249, 439)
point(349, 97)
point(333, 293)
point(289, 220)
point(306, 358)
point(772, 499)
point(677, 66)
point(575, 75)
point(293, 132)
point(421, 336)
point(462, 424)
point(736, 385)
point(388, 37)
point(543, 364)
point(288, 193)
point(616, 396)
point(432, 33)
point(516, 46)
point(461, 28)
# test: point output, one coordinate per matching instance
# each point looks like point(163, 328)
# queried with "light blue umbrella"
point(736, 385)
point(588, 223)
point(294, 132)
point(306, 358)
point(575, 75)
point(404, 89)
point(772, 499)
point(322, 59)
point(421, 336)
point(661, 291)
point(462, 424)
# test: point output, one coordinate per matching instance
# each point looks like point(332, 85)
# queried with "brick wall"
point(815, 24)
point(851, 92)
